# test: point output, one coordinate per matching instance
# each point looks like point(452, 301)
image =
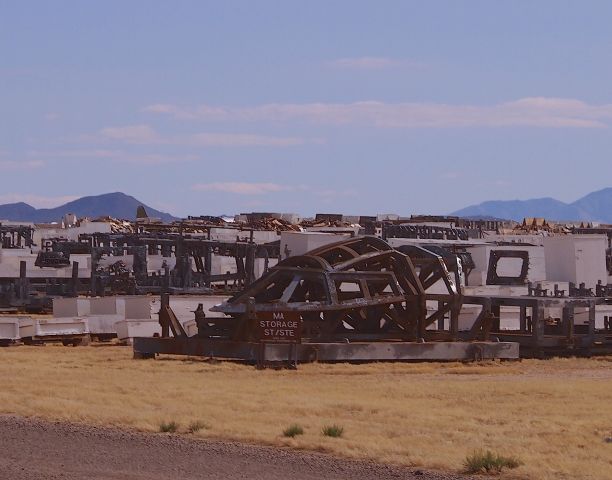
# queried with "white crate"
point(9, 328)
point(50, 327)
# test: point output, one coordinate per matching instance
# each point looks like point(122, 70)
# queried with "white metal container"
point(50, 327)
point(9, 328)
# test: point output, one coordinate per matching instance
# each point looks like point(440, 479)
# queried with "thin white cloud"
point(38, 201)
point(242, 188)
point(167, 108)
point(10, 165)
point(238, 140)
point(146, 135)
point(117, 156)
point(526, 112)
point(131, 134)
point(150, 158)
point(370, 63)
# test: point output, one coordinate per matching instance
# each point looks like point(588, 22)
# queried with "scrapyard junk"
point(354, 300)
point(359, 288)
point(52, 259)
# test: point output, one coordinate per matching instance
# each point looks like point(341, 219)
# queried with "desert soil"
point(35, 450)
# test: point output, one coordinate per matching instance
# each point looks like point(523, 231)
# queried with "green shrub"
point(489, 462)
point(168, 427)
point(335, 431)
point(196, 426)
point(293, 430)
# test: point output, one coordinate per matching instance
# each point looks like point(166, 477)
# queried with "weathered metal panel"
point(330, 352)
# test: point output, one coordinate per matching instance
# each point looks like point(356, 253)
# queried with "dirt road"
point(36, 450)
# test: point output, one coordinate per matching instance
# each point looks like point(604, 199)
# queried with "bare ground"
point(35, 450)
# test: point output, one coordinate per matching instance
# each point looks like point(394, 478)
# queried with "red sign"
point(279, 327)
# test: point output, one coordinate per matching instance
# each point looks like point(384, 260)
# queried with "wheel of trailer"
point(27, 341)
point(143, 356)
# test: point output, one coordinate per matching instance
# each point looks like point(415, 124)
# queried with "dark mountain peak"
point(104, 197)
point(16, 211)
point(116, 204)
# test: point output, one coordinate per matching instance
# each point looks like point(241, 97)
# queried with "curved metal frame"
point(384, 296)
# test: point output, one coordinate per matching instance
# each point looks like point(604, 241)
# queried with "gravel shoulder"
point(35, 450)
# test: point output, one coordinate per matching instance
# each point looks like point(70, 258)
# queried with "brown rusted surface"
point(360, 287)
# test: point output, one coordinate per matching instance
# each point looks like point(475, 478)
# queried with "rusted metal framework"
point(357, 288)
point(538, 332)
point(192, 272)
point(423, 232)
point(440, 273)
point(19, 236)
point(358, 299)
point(363, 290)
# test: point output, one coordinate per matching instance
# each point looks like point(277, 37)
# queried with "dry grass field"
point(553, 415)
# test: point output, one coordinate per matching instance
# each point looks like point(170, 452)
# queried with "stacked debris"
point(541, 225)
point(274, 224)
point(16, 236)
point(206, 220)
point(325, 223)
point(117, 225)
point(176, 227)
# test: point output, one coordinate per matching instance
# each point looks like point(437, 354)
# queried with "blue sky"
point(199, 107)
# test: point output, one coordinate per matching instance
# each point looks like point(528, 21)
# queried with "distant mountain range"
point(596, 206)
point(117, 205)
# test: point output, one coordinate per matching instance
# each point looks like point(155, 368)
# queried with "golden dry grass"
point(553, 415)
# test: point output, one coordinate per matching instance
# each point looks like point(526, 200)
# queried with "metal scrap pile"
point(540, 225)
point(117, 225)
point(271, 223)
point(355, 288)
point(206, 220)
point(325, 223)
point(185, 227)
